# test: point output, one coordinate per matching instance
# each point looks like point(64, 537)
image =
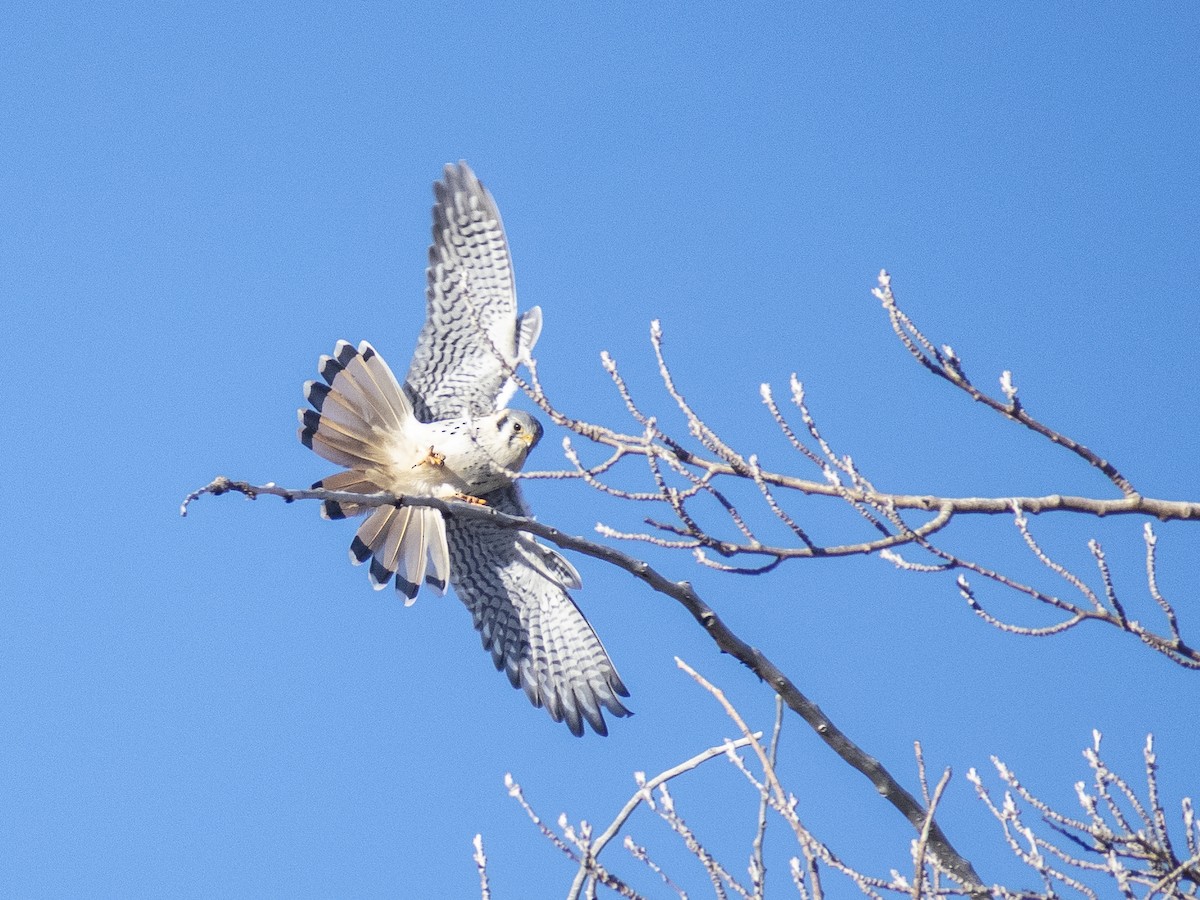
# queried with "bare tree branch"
point(683, 593)
point(758, 868)
point(946, 364)
point(485, 889)
point(680, 475)
point(690, 480)
point(644, 794)
point(1135, 852)
point(1122, 842)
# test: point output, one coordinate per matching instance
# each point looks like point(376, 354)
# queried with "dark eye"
point(516, 427)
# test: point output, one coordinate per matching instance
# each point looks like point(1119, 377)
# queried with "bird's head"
point(519, 433)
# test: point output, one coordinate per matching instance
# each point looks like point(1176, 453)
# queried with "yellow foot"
point(478, 501)
point(431, 458)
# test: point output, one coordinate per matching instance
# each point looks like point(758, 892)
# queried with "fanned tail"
point(357, 420)
point(401, 541)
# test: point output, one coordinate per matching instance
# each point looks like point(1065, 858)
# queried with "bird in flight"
point(444, 432)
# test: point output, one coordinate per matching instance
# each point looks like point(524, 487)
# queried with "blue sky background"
point(199, 200)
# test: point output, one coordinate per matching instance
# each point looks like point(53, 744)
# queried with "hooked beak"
point(532, 435)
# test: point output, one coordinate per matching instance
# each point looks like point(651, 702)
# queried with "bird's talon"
point(478, 501)
point(431, 458)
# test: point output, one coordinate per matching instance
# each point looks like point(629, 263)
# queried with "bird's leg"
point(478, 501)
point(432, 458)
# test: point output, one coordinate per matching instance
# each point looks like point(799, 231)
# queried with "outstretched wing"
point(536, 634)
point(472, 338)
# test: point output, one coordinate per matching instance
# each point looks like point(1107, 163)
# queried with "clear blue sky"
point(198, 200)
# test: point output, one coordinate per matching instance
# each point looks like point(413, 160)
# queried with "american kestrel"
point(444, 433)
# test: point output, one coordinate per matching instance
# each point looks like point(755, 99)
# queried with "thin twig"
point(642, 795)
point(485, 890)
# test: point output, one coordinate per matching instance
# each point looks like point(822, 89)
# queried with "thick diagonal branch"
point(682, 592)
